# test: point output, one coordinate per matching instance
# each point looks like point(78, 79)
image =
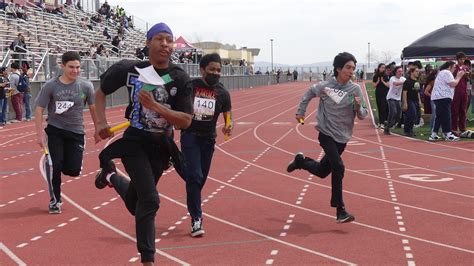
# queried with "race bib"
point(204, 108)
point(335, 94)
point(63, 106)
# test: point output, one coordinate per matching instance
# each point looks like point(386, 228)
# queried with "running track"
point(413, 200)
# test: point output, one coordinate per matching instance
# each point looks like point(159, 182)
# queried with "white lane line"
point(12, 255)
point(393, 195)
point(22, 245)
point(346, 191)
point(357, 223)
point(264, 235)
point(36, 238)
point(109, 226)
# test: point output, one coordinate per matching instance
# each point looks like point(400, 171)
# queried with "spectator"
point(460, 98)
point(288, 75)
point(394, 96)
point(115, 44)
point(442, 95)
point(21, 12)
point(92, 50)
point(27, 92)
point(139, 53)
point(295, 75)
point(100, 50)
point(18, 46)
point(411, 101)
point(380, 82)
point(10, 10)
point(106, 33)
point(17, 97)
point(469, 87)
point(4, 87)
point(430, 79)
point(278, 75)
point(78, 4)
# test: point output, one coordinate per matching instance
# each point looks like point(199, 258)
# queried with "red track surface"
point(255, 212)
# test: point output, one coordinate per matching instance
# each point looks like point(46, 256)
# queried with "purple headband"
point(158, 28)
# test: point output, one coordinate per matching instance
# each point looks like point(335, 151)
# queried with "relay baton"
point(47, 165)
point(227, 125)
point(119, 127)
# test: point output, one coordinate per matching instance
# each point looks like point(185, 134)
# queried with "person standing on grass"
point(442, 95)
point(341, 101)
point(460, 98)
point(160, 98)
point(394, 97)
point(430, 79)
point(411, 101)
point(64, 97)
point(197, 142)
point(380, 81)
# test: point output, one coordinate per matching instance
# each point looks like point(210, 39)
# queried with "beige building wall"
point(229, 53)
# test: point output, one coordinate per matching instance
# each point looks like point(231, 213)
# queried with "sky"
point(305, 31)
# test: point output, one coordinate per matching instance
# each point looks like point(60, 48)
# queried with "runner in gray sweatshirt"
point(340, 102)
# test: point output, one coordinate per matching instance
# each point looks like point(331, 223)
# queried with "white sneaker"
point(434, 138)
point(451, 137)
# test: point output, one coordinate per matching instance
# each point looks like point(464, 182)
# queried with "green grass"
point(422, 132)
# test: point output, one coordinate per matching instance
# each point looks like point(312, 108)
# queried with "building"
point(229, 53)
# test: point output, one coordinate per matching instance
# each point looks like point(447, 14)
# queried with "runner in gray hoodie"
point(340, 102)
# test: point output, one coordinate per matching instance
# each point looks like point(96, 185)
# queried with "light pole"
point(368, 56)
point(271, 43)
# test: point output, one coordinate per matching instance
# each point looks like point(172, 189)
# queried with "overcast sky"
point(305, 31)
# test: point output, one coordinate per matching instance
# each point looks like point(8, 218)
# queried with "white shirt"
point(441, 88)
point(395, 92)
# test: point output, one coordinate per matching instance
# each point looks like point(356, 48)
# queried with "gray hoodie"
point(335, 119)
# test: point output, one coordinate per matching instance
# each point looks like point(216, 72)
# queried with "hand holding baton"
point(119, 127)
point(227, 125)
point(301, 121)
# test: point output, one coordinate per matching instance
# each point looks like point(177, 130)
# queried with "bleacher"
point(50, 34)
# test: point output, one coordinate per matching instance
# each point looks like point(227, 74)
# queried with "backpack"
point(23, 83)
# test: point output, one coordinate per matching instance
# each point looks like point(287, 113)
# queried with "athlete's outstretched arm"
point(101, 125)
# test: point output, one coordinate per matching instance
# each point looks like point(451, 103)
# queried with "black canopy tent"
point(443, 42)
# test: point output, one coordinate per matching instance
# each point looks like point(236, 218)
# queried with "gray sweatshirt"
point(335, 119)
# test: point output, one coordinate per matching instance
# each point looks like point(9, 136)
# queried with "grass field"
point(421, 132)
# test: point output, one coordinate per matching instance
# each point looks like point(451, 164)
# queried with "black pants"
point(66, 149)
point(198, 152)
point(382, 105)
point(332, 164)
point(144, 157)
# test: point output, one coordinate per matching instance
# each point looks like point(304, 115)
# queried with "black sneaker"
point(297, 163)
point(343, 216)
point(386, 128)
point(100, 178)
point(55, 208)
point(196, 227)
